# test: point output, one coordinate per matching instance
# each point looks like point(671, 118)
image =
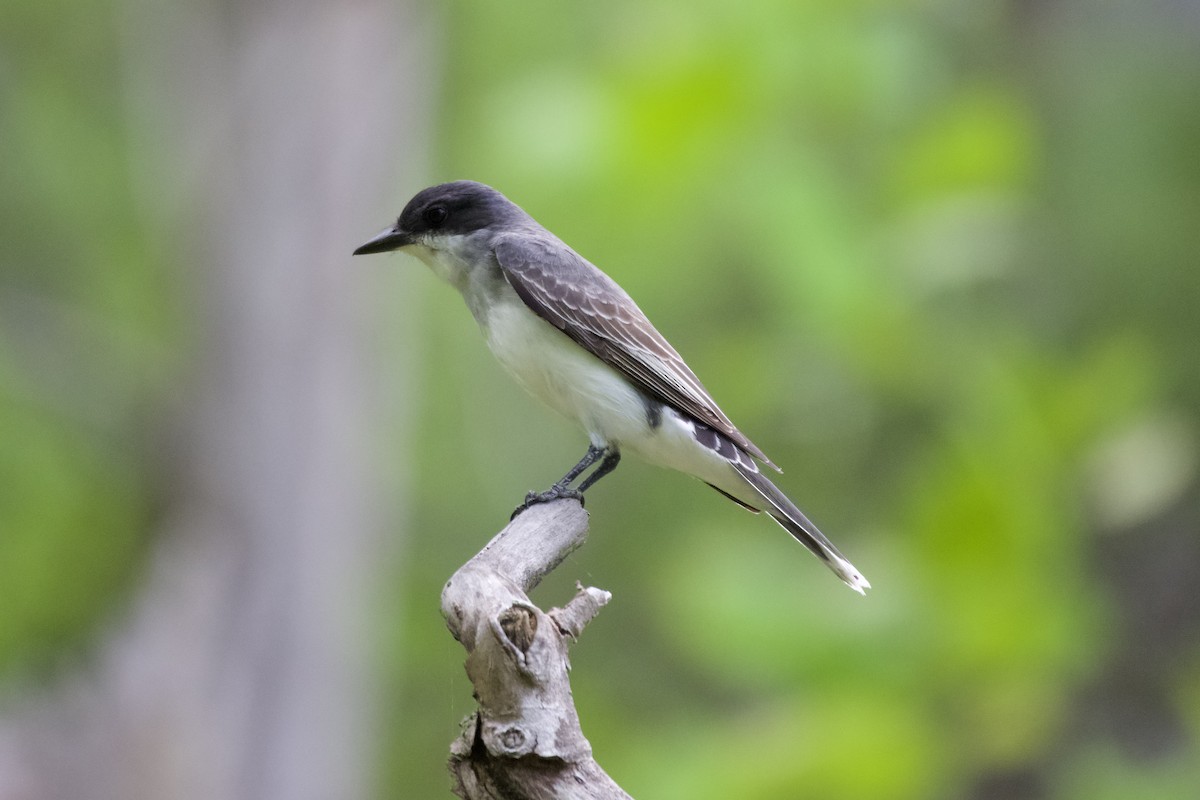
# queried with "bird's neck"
point(477, 277)
point(446, 264)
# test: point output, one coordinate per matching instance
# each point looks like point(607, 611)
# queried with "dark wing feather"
point(574, 296)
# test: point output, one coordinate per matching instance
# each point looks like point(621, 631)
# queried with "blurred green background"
point(939, 259)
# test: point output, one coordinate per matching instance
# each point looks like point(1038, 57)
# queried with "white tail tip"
point(849, 575)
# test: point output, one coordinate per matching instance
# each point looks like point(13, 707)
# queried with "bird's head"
point(446, 212)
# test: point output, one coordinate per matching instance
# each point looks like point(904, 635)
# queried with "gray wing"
point(574, 296)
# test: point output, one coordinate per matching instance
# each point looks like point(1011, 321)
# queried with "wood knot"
point(519, 624)
point(513, 739)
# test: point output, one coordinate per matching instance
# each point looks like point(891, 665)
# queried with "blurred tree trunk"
point(271, 135)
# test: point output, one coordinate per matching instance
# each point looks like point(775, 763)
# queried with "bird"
point(578, 342)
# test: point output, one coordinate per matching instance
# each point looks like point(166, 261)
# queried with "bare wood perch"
point(525, 740)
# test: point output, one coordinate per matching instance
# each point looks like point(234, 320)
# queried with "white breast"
point(580, 386)
point(562, 374)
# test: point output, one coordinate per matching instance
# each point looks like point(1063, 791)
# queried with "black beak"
point(388, 240)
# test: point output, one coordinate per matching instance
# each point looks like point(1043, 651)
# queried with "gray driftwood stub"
point(525, 740)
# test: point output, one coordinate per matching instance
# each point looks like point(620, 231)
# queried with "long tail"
point(792, 520)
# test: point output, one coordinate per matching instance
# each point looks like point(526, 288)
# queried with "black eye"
point(435, 215)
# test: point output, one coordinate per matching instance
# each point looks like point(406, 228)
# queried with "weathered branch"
point(525, 740)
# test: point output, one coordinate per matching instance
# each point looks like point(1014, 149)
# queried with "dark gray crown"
point(459, 207)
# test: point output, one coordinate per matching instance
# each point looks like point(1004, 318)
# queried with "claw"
point(555, 492)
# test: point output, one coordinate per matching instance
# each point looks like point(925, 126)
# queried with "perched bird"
point(574, 339)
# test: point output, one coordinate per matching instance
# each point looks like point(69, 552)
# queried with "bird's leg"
point(562, 488)
point(590, 457)
point(611, 458)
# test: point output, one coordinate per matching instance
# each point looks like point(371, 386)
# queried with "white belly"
point(577, 384)
point(560, 373)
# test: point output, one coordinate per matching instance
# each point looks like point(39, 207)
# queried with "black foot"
point(555, 492)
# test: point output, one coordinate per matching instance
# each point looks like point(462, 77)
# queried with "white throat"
point(445, 260)
point(465, 263)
